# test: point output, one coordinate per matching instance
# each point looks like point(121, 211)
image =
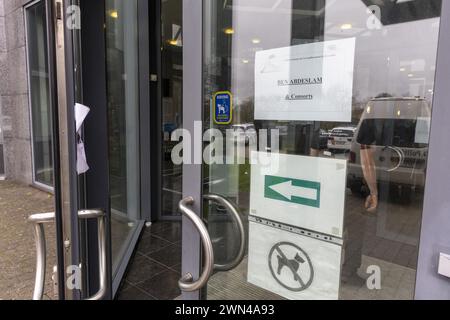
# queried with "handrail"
point(38, 220)
point(237, 217)
point(187, 283)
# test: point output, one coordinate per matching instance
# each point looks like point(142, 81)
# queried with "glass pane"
point(172, 77)
point(41, 115)
point(123, 120)
point(330, 102)
point(2, 159)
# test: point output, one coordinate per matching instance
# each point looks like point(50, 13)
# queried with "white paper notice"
point(81, 112)
point(293, 266)
point(309, 82)
point(304, 192)
point(82, 165)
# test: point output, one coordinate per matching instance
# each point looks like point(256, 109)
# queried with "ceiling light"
point(346, 26)
point(402, 69)
point(114, 14)
point(245, 61)
point(410, 75)
point(256, 41)
point(229, 31)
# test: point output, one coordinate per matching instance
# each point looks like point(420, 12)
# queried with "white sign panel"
point(304, 192)
point(308, 82)
point(293, 266)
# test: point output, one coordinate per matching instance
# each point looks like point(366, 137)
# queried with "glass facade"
point(38, 78)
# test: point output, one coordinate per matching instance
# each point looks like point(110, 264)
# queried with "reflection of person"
point(306, 136)
point(370, 175)
point(366, 137)
point(308, 139)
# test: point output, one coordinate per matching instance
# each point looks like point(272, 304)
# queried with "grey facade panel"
point(2, 9)
point(12, 5)
point(2, 34)
point(14, 29)
point(15, 114)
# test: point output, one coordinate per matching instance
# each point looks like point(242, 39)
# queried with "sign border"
point(231, 107)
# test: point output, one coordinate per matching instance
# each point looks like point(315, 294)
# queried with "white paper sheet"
point(81, 112)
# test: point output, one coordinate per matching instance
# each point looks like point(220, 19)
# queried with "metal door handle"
point(240, 224)
point(101, 238)
point(187, 283)
point(38, 220)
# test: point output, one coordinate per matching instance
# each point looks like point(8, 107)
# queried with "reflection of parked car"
point(396, 129)
point(245, 131)
point(341, 138)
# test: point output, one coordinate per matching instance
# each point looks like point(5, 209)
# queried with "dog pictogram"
point(294, 274)
point(295, 263)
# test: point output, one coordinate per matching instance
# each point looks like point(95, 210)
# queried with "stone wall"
point(14, 92)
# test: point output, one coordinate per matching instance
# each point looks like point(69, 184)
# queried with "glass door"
point(122, 72)
point(305, 147)
point(98, 213)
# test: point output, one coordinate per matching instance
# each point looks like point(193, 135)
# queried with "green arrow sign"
point(293, 191)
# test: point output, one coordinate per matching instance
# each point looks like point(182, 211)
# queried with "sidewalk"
point(17, 247)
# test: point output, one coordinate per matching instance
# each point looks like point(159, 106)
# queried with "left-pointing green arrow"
point(293, 190)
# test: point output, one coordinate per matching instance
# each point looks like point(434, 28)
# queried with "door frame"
point(434, 237)
point(192, 113)
point(434, 201)
point(62, 94)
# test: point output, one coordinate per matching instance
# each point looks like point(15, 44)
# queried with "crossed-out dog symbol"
point(299, 267)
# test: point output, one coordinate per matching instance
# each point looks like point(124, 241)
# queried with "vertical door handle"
point(240, 224)
point(38, 221)
point(101, 238)
point(187, 283)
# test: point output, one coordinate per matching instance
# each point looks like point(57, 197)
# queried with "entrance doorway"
point(330, 189)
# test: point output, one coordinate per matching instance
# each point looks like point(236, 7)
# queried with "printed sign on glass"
point(308, 82)
point(304, 192)
point(291, 265)
point(223, 108)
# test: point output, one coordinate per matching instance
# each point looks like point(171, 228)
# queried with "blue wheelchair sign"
point(223, 107)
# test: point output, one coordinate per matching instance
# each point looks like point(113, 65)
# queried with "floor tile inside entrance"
point(155, 269)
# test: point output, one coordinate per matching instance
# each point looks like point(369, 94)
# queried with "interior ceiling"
point(299, 7)
point(398, 11)
point(392, 11)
